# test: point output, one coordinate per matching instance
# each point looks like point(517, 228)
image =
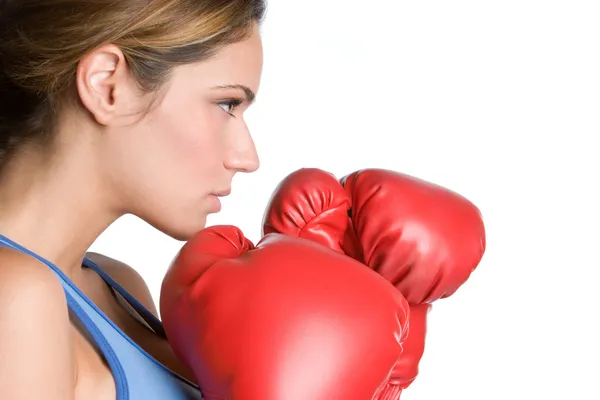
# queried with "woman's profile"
point(110, 108)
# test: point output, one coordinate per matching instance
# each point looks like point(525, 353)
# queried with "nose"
point(242, 156)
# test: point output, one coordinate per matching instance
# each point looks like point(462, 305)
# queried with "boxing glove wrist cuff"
point(390, 392)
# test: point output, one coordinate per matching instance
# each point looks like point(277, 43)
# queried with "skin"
point(167, 166)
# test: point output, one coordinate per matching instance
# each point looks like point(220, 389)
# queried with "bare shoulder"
point(22, 276)
point(127, 277)
point(35, 331)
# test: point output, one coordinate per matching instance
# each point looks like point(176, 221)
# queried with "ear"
point(105, 84)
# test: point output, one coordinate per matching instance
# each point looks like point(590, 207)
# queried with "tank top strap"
point(81, 307)
point(138, 375)
point(146, 315)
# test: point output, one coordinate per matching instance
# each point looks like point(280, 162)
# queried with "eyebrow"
point(250, 95)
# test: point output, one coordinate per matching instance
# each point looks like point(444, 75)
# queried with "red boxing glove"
point(310, 203)
point(285, 320)
point(424, 239)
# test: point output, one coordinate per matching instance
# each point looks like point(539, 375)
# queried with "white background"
point(498, 100)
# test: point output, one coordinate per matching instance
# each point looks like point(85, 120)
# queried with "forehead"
point(236, 64)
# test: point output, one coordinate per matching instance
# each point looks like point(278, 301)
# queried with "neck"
point(57, 210)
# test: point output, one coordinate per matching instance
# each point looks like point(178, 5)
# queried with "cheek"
point(190, 136)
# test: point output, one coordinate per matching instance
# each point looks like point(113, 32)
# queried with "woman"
point(109, 108)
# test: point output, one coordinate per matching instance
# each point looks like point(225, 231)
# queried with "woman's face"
point(172, 166)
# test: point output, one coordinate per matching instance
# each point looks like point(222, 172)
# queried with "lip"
point(222, 193)
point(215, 203)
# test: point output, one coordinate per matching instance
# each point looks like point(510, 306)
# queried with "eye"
point(230, 105)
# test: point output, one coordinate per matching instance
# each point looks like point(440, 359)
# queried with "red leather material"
point(287, 319)
point(424, 239)
point(310, 203)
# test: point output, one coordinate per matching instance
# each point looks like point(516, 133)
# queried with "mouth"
point(222, 193)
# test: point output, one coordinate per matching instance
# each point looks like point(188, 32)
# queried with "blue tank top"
point(138, 376)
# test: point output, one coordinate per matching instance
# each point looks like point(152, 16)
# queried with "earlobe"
point(98, 79)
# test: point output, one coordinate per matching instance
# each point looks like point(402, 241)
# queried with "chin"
point(184, 230)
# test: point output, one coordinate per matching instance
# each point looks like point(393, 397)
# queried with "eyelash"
point(232, 103)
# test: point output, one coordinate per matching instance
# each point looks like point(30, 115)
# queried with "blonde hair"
point(41, 43)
